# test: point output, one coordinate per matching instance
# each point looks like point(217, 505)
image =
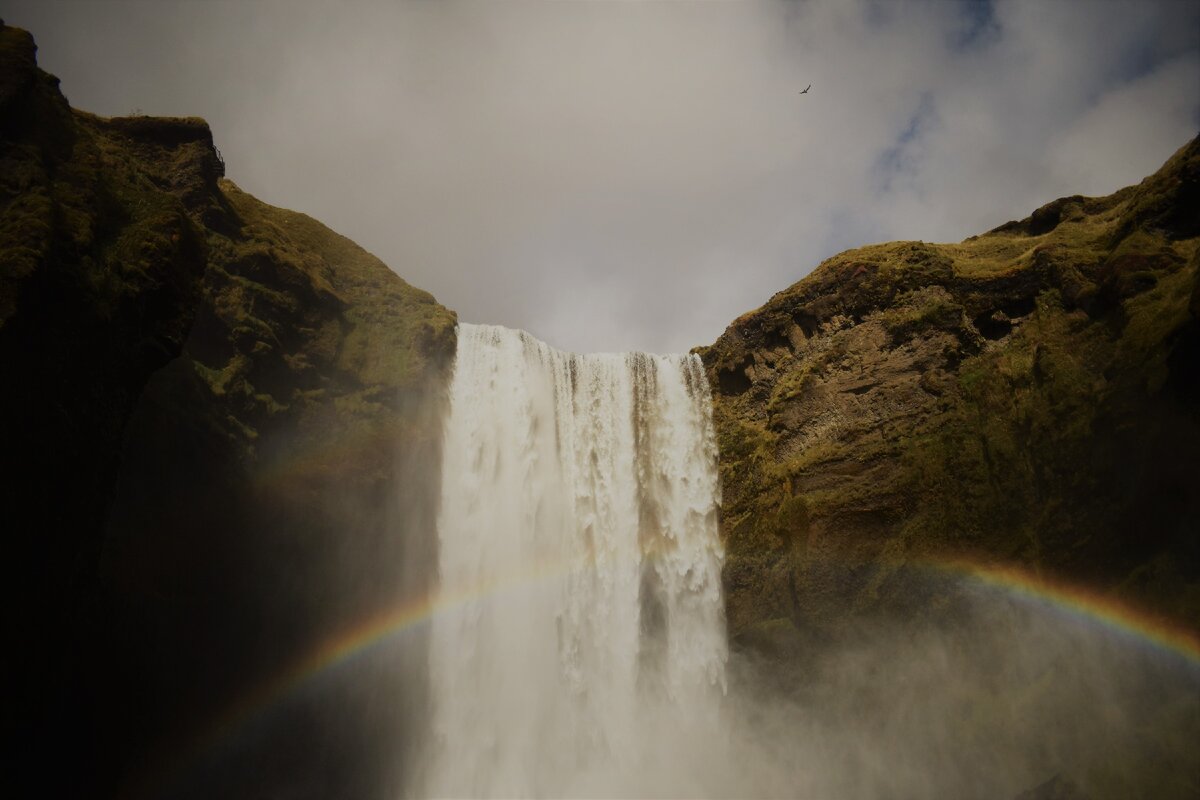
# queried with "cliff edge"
point(215, 412)
point(1028, 398)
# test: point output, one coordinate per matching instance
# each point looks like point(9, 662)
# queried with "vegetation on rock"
point(1028, 397)
point(218, 410)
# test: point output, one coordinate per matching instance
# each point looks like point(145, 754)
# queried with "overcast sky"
point(617, 175)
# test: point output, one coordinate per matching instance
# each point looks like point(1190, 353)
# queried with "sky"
point(618, 175)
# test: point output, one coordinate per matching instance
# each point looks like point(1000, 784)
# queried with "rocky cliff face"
point(215, 413)
point(1028, 397)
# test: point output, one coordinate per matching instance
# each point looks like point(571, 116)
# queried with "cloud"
point(1117, 136)
point(620, 175)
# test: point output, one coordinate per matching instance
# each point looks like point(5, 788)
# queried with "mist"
point(1000, 697)
point(581, 649)
point(1013, 696)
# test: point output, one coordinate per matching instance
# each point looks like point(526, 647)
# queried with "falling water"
point(580, 643)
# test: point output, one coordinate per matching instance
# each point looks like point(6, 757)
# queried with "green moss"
point(916, 311)
point(792, 385)
point(812, 457)
point(1152, 319)
point(1036, 393)
point(389, 333)
point(792, 520)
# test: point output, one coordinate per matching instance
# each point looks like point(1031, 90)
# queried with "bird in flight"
point(806, 88)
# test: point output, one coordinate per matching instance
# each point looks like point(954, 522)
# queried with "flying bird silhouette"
point(806, 88)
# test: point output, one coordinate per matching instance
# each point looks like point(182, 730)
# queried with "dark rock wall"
point(280, 489)
point(100, 276)
point(1027, 397)
point(221, 452)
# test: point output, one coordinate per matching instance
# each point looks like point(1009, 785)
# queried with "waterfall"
point(578, 645)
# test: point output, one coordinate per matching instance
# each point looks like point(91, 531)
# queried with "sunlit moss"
point(1031, 386)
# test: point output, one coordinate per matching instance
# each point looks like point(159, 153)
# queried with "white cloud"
point(1122, 137)
point(616, 175)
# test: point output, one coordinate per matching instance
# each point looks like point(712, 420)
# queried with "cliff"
point(215, 411)
point(1027, 398)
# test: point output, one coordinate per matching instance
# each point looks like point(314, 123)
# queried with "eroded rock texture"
point(1028, 397)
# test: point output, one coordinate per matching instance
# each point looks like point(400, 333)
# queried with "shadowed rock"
point(1057, 788)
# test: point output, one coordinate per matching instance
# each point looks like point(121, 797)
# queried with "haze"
point(635, 175)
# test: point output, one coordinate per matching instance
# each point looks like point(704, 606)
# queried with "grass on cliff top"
point(308, 344)
point(392, 324)
point(1061, 446)
point(1082, 229)
point(77, 202)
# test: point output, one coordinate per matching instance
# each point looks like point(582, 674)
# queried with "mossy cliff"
point(214, 411)
point(1029, 397)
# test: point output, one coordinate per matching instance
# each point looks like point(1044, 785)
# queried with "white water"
point(579, 647)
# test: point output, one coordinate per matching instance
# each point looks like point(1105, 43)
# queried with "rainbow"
point(1080, 601)
point(377, 629)
point(331, 653)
